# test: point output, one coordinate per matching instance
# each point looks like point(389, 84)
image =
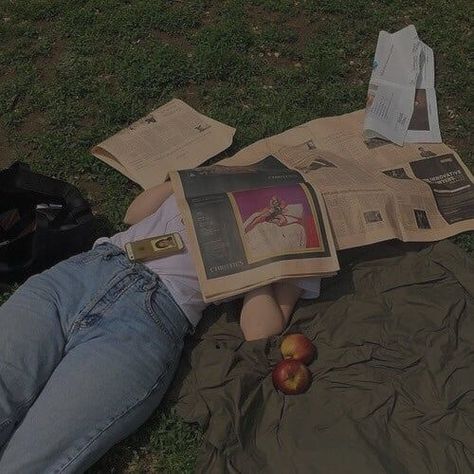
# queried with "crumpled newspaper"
point(401, 101)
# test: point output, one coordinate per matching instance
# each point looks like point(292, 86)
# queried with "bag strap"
point(18, 179)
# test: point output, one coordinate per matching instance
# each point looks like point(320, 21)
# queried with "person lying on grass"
point(89, 347)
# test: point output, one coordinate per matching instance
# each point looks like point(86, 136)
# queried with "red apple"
point(298, 347)
point(291, 377)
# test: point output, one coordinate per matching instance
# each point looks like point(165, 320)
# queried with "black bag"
point(42, 221)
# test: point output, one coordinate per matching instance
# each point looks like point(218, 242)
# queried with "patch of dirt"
point(304, 28)
point(45, 65)
point(178, 41)
point(210, 15)
point(88, 121)
point(6, 74)
point(277, 59)
point(299, 24)
point(33, 124)
point(259, 15)
point(92, 191)
point(191, 95)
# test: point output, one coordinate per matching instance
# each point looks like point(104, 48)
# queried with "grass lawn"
point(73, 73)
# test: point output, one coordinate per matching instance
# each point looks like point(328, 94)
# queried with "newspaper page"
point(401, 101)
point(252, 225)
point(426, 199)
point(360, 206)
point(374, 191)
point(174, 136)
point(424, 123)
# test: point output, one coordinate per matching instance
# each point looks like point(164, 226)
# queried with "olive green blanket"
point(393, 383)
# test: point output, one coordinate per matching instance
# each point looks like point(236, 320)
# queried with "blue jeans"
point(87, 351)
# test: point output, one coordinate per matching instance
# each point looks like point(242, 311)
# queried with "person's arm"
point(257, 218)
point(147, 202)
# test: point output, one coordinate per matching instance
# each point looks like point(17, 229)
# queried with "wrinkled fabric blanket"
point(393, 383)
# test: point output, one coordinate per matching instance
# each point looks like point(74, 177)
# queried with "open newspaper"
point(374, 191)
point(259, 217)
point(253, 225)
point(401, 101)
point(174, 136)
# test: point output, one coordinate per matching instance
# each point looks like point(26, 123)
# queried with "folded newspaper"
point(173, 136)
point(401, 101)
point(281, 207)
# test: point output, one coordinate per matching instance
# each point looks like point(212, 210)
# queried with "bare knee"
point(265, 329)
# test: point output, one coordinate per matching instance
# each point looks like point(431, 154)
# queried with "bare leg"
point(266, 310)
point(286, 295)
point(261, 316)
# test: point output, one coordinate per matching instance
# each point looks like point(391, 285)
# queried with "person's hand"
point(280, 220)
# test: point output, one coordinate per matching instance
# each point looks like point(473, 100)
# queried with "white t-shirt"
point(177, 271)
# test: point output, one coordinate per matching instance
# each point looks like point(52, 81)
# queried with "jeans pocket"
point(165, 312)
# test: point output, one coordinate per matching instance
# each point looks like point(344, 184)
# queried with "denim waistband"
point(108, 251)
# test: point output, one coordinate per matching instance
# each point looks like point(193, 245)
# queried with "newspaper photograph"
point(452, 187)
point(174, 136)
point(253, 225)
point(424, 123)
point(401, 100)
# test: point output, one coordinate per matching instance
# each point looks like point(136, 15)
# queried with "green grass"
point(164, 445)
point(73, 73)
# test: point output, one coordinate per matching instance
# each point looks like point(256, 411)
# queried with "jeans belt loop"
point(109, 253)
point(150, 282)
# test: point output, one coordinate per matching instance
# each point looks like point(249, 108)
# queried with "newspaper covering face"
point(248, 216)
point(174, 136)
point(253, 225)
point(401, 101)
